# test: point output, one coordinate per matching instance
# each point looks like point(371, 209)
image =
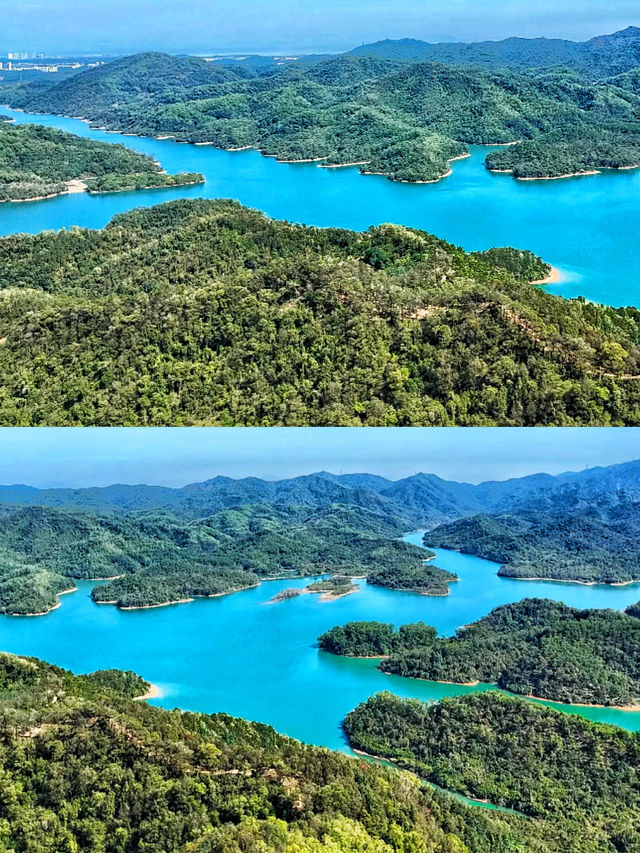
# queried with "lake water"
point(587, 227)
point(260, 661)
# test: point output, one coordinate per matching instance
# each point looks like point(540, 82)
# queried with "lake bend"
point(242, 656)
point(586, 227)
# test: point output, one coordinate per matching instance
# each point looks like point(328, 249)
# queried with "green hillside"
point(155, 558)
point(536, 647)
point(204, 312)
point(85, 768)
point(404, 120)
point(37, 162)
point(542, 763)
point(586, 546)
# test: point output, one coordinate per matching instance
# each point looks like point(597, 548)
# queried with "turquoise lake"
point(260, 661)
point(587, 227)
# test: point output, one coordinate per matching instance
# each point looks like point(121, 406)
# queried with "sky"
point(126, 26)
point(55, 457)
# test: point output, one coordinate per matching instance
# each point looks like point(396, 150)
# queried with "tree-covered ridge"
point(155, 558)
point(537, 648)
point(85, 768)
point(37, 161)
point(201, 312)
point(586, 545)
point(425, 579)
point(538, 761)
point(375, 639)
point(598, 59)
point(405, 121)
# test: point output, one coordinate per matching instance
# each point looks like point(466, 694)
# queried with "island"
point(406, 116)
point(156, 559)
point(213, 782)
point(242, 320)
point(598, 546)
point(512, 754)
point(39, 162)
point(535, 647)
point(375, 639)
point(329, 589)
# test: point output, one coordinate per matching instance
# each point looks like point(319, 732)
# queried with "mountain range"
point(426, 498)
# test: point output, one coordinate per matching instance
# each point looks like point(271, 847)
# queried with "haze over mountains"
point(602, 55)
point(428, 499)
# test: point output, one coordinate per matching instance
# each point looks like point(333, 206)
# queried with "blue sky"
point(48, 457)
point(291, 25)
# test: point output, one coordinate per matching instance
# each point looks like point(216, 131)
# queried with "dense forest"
point(85, 768)
point(407, 120)
point(537, 648)
point(155, 558)
point(204, 312)
point(38, 161)
point(538, 761)
point(375, 639)
point(590, 545)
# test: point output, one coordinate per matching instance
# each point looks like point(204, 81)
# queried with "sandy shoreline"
point(553, 277)
point(153, 692)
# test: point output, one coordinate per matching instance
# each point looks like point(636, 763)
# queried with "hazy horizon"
point(175, 457)
point(62, 27)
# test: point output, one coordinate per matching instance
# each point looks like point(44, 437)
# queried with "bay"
point(587, 227)
point(243, 656)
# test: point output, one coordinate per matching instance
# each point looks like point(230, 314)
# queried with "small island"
point(537, 648)
point(38, 162)
point(337, 586)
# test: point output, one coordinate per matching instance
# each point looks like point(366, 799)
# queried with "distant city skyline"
point(63, 457)
point(263, 26)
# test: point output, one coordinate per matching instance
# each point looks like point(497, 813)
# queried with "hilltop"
point(205, 312)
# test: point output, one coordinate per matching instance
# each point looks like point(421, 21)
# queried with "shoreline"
point(153, 692)
point(553, 277)
point(51, 609)
point(626, 708)
point(569, 580)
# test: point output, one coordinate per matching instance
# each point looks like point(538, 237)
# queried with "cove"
point(587, 227)
point(260, 661)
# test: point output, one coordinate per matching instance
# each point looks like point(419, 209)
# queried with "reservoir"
point(260, 661)
point(587, 227)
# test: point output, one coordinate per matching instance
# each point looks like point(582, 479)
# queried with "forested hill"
point(155, 558)
point(404, 120)
point(537, 648)
point(516, 754)
point(534, 647)
point(38, 162)
point(85, 768)
point(205, 312)
point(590, 545)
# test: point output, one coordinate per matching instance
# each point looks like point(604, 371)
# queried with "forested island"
point(205, 312)
point(99, 771)
point(375, 639)
point(156, 559)
point(398, 116)
point(534, 647)
point(598, 545)
point(513, 753)
point(40, 162)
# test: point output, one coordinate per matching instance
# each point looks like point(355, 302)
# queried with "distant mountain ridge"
point(426, 498)
point(602, 56)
